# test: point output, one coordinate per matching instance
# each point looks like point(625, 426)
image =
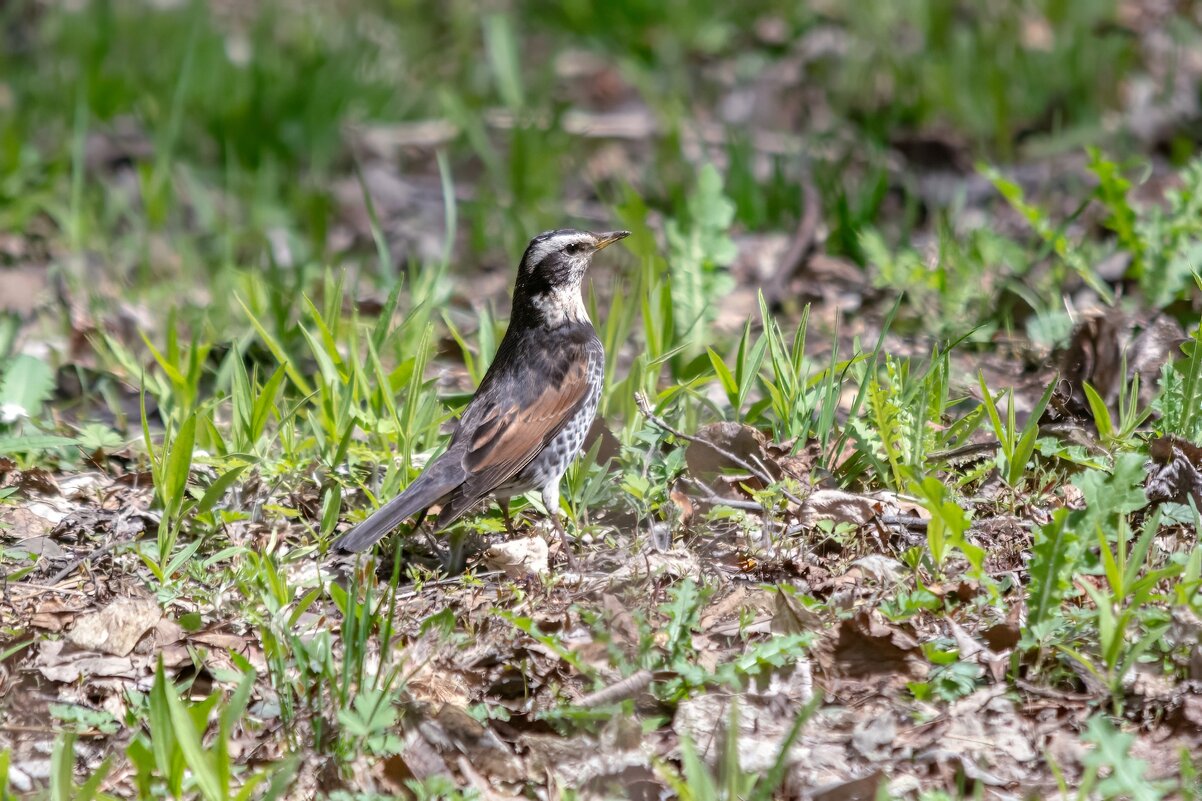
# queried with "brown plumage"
point(530, 414)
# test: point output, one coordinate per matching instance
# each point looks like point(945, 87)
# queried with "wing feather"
point(520, 432)
point(516, 413)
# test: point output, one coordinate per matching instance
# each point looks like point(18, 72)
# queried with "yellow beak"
point(607, 239)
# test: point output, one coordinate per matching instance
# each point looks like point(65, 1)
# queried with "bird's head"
point(552, 270)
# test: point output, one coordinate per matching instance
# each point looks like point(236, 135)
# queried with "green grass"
point(184, 175)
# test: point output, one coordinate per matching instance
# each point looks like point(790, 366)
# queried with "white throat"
point(562, 305)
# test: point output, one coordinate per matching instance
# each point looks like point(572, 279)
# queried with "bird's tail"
point(426, 490)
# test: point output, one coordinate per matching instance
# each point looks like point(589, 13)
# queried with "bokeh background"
point(167, 143)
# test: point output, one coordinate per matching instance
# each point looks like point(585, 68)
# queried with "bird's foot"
point(509, 529)
point(566, 543)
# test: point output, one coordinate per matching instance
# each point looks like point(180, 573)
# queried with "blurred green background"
point(158, 146)
point(226, 123)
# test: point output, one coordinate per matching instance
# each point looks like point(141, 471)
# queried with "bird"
point(529, 417)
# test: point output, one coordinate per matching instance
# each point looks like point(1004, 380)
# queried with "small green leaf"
point(178, 466)
point(25, 384)
point(216, 491)
point(1101, 413)
point(34, 444)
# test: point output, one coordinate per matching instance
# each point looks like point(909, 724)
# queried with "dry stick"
point(971, 452)
point(906, 521)
point(644, 405)
point(412, 591)
point(804, 240)
point(96, 554)
point(733, 503)
point(628, 687)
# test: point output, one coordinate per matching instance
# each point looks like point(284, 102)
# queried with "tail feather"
point(419, 496)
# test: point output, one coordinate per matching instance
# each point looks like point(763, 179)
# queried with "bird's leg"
point(446, 557)
point(551, 501)
point(563, 537)
point(504, 504)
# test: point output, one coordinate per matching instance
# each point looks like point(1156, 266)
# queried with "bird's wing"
point(511, 433)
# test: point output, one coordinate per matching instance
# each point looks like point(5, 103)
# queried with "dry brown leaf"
point(1174, 471)
point(117, 628)
point(1093, 356)
point(864, 788)
point(790, 617)
point(843, 507)
point(52, 614)
point(57, 663)
point(881, 569)
point(220, 640)
point(800, 465)
point(709, 455)
point(867, 650)
point(764, 717)
point(23, 289)
point(986, 729)
point(968, 646)
point(610, 447)
point(874, 735)
point(38, 480)
point(590, 765)
point(1002, 636)
point(684, 506)
point(26, 524)
point(519, 558)
point(453, 730)
point(1100, 347)
point(166, 633)
point(43, 547)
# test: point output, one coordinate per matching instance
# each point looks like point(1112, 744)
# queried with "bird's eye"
point(575, 247)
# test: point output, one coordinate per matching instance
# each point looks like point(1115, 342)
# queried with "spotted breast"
point(546, 470)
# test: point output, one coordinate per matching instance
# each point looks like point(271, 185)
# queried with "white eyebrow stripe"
point(542, 249)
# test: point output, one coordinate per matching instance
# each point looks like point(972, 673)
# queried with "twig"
point(804, 240)
point(965, 453)
point(628, 687)
point(412, 591)
point(1049, 692)
point(733, 503)
point(96, 554)
point(24, 585)
point(905, 521)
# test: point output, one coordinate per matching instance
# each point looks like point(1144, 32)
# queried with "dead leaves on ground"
point(483, 710)
point(1174, 472)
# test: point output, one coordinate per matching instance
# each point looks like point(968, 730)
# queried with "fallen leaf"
point(880, 568)
point(1174, 470)
point(1002, 636)
point(864, 788)
point(453, 730)
point(117, 628)
point(709, 456)
point(761, 730)
point(874, 735)
point(1093, 356)
point(26, 524)
point(842, 507)
point(36, 546)
point(53, 615)
point(610, 447)
point(518, 558)
point(57, 663)
point(867, 650)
